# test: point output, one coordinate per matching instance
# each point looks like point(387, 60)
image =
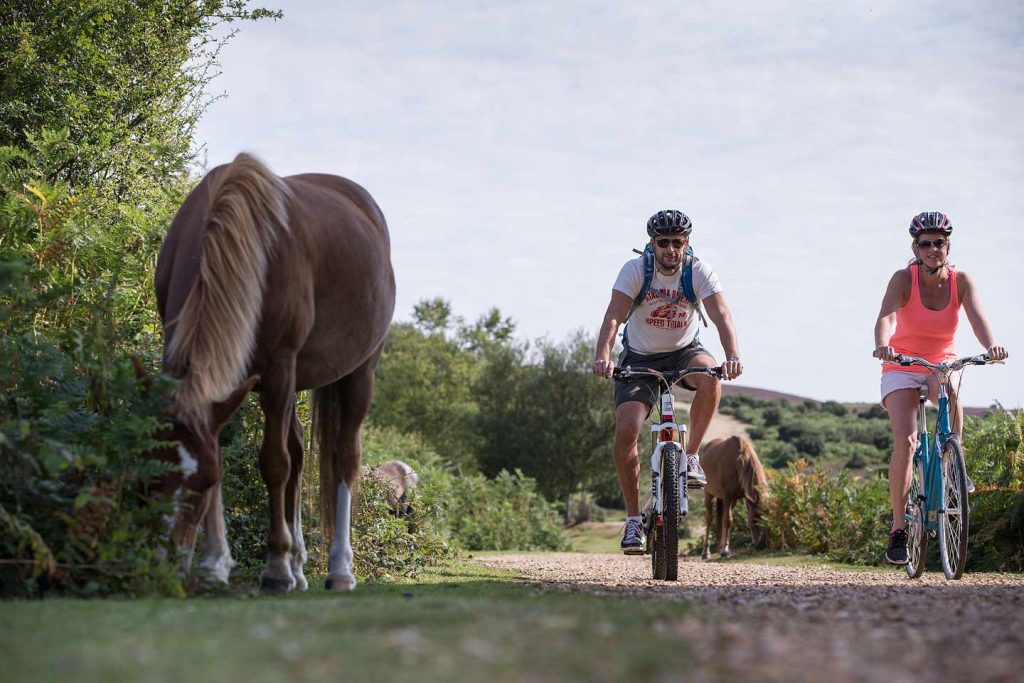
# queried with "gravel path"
point(769, 622)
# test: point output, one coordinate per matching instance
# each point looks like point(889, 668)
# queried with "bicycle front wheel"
point(665, 548)
point(954, 522)
point(917, 535)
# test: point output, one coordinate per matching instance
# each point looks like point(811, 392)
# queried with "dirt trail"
point(770, 622)
point(721, 425)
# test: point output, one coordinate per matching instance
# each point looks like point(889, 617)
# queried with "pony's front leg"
point(709, 513)
point(277, 399)
point(217, 562)
point(340, 575)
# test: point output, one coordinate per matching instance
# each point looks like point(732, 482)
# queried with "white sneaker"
point(695, 477)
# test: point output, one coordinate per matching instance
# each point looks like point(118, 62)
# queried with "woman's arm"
point(896, 296)
point(979, 323)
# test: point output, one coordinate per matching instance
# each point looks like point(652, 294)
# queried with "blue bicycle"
point(937, 504)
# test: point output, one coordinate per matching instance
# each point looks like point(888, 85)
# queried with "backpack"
point(685, 288)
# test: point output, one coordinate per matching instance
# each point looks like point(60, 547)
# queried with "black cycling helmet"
point(670, 222)
point(930, 221)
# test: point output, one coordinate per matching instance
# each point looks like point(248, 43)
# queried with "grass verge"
point(459, 622)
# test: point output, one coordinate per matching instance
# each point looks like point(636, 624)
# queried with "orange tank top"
point(923, 332)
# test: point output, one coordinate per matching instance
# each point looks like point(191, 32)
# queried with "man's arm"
point(719, 313)
point(618, 309)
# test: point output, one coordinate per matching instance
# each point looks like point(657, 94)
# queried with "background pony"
point(734, 472)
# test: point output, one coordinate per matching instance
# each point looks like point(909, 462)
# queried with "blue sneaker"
point(633, 538)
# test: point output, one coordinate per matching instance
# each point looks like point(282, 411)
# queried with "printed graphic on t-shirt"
point(667, 316)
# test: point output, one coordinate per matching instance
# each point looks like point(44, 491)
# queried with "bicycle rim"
point(666, 546)
point(917, 535)
point(954, 523)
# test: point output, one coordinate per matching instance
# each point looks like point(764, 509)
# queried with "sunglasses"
point(928, 244)
point(665, 244)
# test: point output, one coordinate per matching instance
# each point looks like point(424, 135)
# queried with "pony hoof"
point(269, 584)
point(706, 556)
point(300, 582)
point(726, 554)
point(340, 583)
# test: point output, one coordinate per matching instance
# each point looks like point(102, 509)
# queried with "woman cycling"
point(923, 301)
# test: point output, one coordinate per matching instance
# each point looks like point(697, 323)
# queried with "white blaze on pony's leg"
point(339, 563)
point(217, 560)
point(299, 548)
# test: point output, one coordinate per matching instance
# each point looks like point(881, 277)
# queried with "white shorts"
point(898, 379)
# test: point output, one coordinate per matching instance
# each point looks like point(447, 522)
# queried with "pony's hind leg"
point(340, 410)
point(727, 507)
point(277, 396)
point(293, 504)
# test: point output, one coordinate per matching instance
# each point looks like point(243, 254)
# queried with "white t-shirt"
point(658, 326)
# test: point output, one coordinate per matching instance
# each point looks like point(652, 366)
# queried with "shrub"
point(816, 513)
point(73, 424)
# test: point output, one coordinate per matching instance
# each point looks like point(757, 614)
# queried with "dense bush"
point(838, 516)
point(73, 424)
point(471, 511)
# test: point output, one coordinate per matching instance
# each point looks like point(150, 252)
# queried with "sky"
point(518, 148)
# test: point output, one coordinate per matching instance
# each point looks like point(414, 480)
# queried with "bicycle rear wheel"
point(954, 522)
point(917, 535)
point(665, 547)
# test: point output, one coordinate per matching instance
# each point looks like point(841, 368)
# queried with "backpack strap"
point(686, 284)
point(644, 288)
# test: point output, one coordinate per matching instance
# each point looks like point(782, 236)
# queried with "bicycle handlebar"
point(952, 366)
point(624, 373)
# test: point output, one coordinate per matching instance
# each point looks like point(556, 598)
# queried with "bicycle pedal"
point(632, 551)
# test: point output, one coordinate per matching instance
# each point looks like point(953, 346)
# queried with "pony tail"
point(328, 417)
point(216, 328)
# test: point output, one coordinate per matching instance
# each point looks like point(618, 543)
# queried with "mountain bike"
point(668, 472)
point(937, 504)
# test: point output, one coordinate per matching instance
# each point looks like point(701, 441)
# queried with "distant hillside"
point(729, 389)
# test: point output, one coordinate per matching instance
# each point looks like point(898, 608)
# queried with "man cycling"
point(662, 335)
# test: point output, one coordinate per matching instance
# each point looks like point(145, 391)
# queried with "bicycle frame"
point(927, 457)
point(666, 431)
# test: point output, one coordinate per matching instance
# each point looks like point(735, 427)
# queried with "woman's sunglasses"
point(665, 244)
point(928, 244)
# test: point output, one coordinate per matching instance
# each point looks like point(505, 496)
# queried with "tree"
point(552, 417)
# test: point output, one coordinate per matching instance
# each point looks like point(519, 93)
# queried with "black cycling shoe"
point(897, 553)
point(633, 538)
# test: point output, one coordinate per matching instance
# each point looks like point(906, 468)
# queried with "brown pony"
point(286, 282)
point(734, 473)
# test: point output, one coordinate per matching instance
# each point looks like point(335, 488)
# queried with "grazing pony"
point(733, 473)
point(275, 285)
point(399, 478)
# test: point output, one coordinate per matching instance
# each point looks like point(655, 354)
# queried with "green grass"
point(461, 622)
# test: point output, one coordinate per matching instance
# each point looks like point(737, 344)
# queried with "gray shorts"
point(645, 389)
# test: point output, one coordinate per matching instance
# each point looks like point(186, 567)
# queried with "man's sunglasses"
point(665, 243)
point(928, 244)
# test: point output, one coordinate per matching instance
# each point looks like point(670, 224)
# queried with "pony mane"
point(752, 477)
point(215, 331)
